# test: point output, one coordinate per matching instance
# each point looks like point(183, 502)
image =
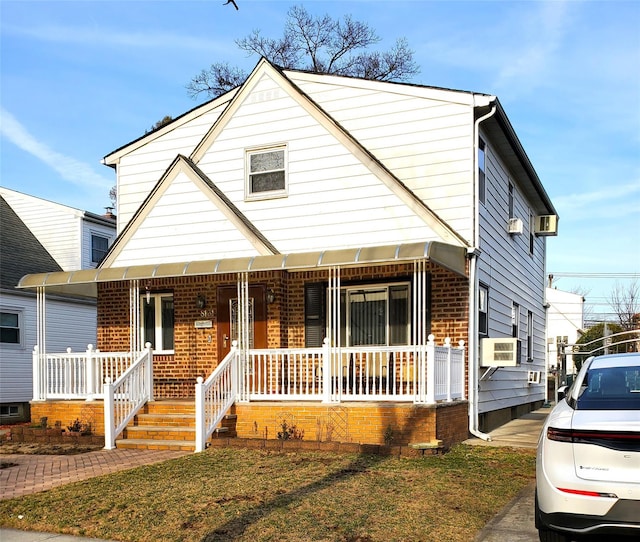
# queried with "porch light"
point(201, 301)
point(271, 296)
point(148, 292)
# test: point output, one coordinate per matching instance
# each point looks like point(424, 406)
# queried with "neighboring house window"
point(562, 340)
point(99, 248)
point(9, 411)
point(515, 320)
point(10, 324)
point(157, 321)
point(529, 336)
point(481, 171)
point(483, 310)
point(511, 209)
point(266, 173)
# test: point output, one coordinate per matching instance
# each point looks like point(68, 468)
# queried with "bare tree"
point(625, 302)
point(317, 44)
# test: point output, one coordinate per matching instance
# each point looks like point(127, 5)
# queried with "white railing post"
point(90, 375)
point(447, 343)
point(109, 420)
point(431, 370)
point(200, 417)
point(327, 375)
point(38, 376)
point(149, 371)
point(462, 369)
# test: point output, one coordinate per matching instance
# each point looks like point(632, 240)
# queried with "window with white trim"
point(266, 173)
point(375, 315)
point(529, 336)
point(11, 327)
point(158, 321)
point(481, 171)
point(99, 248)
point(515, 320)
point(483, 310)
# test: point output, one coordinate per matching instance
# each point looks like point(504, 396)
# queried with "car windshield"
point(610, 388)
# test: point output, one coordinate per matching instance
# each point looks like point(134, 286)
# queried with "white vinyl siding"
point(139, 171)
point(70, 324)
point(426, 142)
point(513, 275)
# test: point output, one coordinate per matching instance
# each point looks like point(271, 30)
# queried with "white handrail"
point(215, 396)
point(124, 398)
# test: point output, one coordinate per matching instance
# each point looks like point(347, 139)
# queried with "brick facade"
point(196, 349)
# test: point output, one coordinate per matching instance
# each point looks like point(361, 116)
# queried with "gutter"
point(473, 290)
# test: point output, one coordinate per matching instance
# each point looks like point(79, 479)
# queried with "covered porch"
point(384, 363)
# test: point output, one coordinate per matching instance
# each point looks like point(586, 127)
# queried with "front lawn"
point(252, 495)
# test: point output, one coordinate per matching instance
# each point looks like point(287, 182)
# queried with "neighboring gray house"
point(41, 236)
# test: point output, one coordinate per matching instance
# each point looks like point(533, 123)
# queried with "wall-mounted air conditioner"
point(515, 225)
point(500, 352)
point(546, 225)
point(533, 377)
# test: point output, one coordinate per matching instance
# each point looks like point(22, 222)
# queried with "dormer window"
point(266, 173)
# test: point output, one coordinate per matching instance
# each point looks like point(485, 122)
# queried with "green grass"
point(251, 495)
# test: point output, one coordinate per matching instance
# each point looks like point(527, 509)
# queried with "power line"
point(577, 274)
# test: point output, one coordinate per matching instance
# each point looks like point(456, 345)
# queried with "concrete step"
point(154, 444)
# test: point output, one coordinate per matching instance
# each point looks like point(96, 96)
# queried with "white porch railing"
point(215, 396)
point(420, 374)
point(76, 375)
point(126, 396)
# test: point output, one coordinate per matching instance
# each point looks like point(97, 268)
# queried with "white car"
point(588, 460)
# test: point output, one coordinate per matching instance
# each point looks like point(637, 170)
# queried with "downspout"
point(474, 382)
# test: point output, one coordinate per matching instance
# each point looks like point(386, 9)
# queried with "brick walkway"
point(34, 473)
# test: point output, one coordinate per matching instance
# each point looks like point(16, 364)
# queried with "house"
point(565, 325)
point(362, 260)
point(41, 236)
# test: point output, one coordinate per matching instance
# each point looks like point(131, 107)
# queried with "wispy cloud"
point(116, 38)
point(70, 169)
point(599, 197)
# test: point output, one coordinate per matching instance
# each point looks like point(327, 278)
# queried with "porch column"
point(243, 335)
point(422, 360)
point(333, 350)
point(135, 343)
point(39, 377)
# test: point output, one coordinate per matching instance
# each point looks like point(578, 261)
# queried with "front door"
point(227, 318)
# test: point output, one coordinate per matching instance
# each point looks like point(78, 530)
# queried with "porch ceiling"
point(84, 282)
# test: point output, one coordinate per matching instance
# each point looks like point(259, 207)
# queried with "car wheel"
point(545, 534)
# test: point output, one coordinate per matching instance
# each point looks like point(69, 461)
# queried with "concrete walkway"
point(39, 473)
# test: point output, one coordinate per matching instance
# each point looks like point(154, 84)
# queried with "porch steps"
point(167, 425)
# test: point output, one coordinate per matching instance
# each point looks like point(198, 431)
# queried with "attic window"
point(266, 173)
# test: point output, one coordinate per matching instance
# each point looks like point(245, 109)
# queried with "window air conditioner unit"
point(546, 225)
point(500, 352)
point(515, 225)
point(534, 377)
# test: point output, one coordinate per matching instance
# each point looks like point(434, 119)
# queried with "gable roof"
point(182, 164)
point(391, 181)
point(20, 251)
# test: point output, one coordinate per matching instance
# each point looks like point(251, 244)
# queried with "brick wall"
point(65, 413)
point(196, 349)
point(366, 423)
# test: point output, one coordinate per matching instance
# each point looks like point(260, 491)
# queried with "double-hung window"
point(375, 315)
point(483, 311)
point(481, 171)
point(99, 247)
point(158, 321)
point(10, 327)
point(266, 173)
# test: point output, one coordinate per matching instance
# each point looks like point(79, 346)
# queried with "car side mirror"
point(562, 392)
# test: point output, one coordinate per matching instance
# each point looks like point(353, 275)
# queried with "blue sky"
point(82, 78)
